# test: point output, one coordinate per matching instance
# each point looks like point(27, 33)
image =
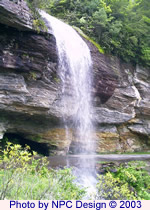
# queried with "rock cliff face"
point(30, 90)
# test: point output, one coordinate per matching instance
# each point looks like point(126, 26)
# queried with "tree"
point(121, 27)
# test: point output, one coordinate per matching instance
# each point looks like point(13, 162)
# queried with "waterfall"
point(74, 70)
point(75, 73)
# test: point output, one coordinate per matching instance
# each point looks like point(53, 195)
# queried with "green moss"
point(101, 50)
point(103, 162)
point(37, 138)
point(32, 76)
point(39, 25)
point(57, 80)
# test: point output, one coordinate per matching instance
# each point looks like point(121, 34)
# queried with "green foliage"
point(33, 4)
point(137, 177)
point(89, 39)
point(32, 76)
point(120, 27)
point(38, 23)
point(129, 182)
point(24, 177)
point(110, 188)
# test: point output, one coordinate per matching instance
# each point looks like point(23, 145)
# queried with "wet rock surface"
point(30, 90)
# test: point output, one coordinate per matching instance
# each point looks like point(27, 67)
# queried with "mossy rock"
point(101, 50)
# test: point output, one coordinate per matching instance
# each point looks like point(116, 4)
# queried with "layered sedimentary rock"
point(30, 90)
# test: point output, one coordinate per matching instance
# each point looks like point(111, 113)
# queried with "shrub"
point(38, 23)
point(111, 188)
point(129, 182)
point(24, 177)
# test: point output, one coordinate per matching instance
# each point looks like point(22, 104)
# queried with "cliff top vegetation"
point(120, 27)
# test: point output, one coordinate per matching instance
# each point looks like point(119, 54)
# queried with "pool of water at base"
point(85, 167)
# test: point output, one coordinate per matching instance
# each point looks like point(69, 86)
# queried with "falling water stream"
point(75, 66)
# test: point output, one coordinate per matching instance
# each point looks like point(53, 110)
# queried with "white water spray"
point(74, 69)
point(75, 73)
